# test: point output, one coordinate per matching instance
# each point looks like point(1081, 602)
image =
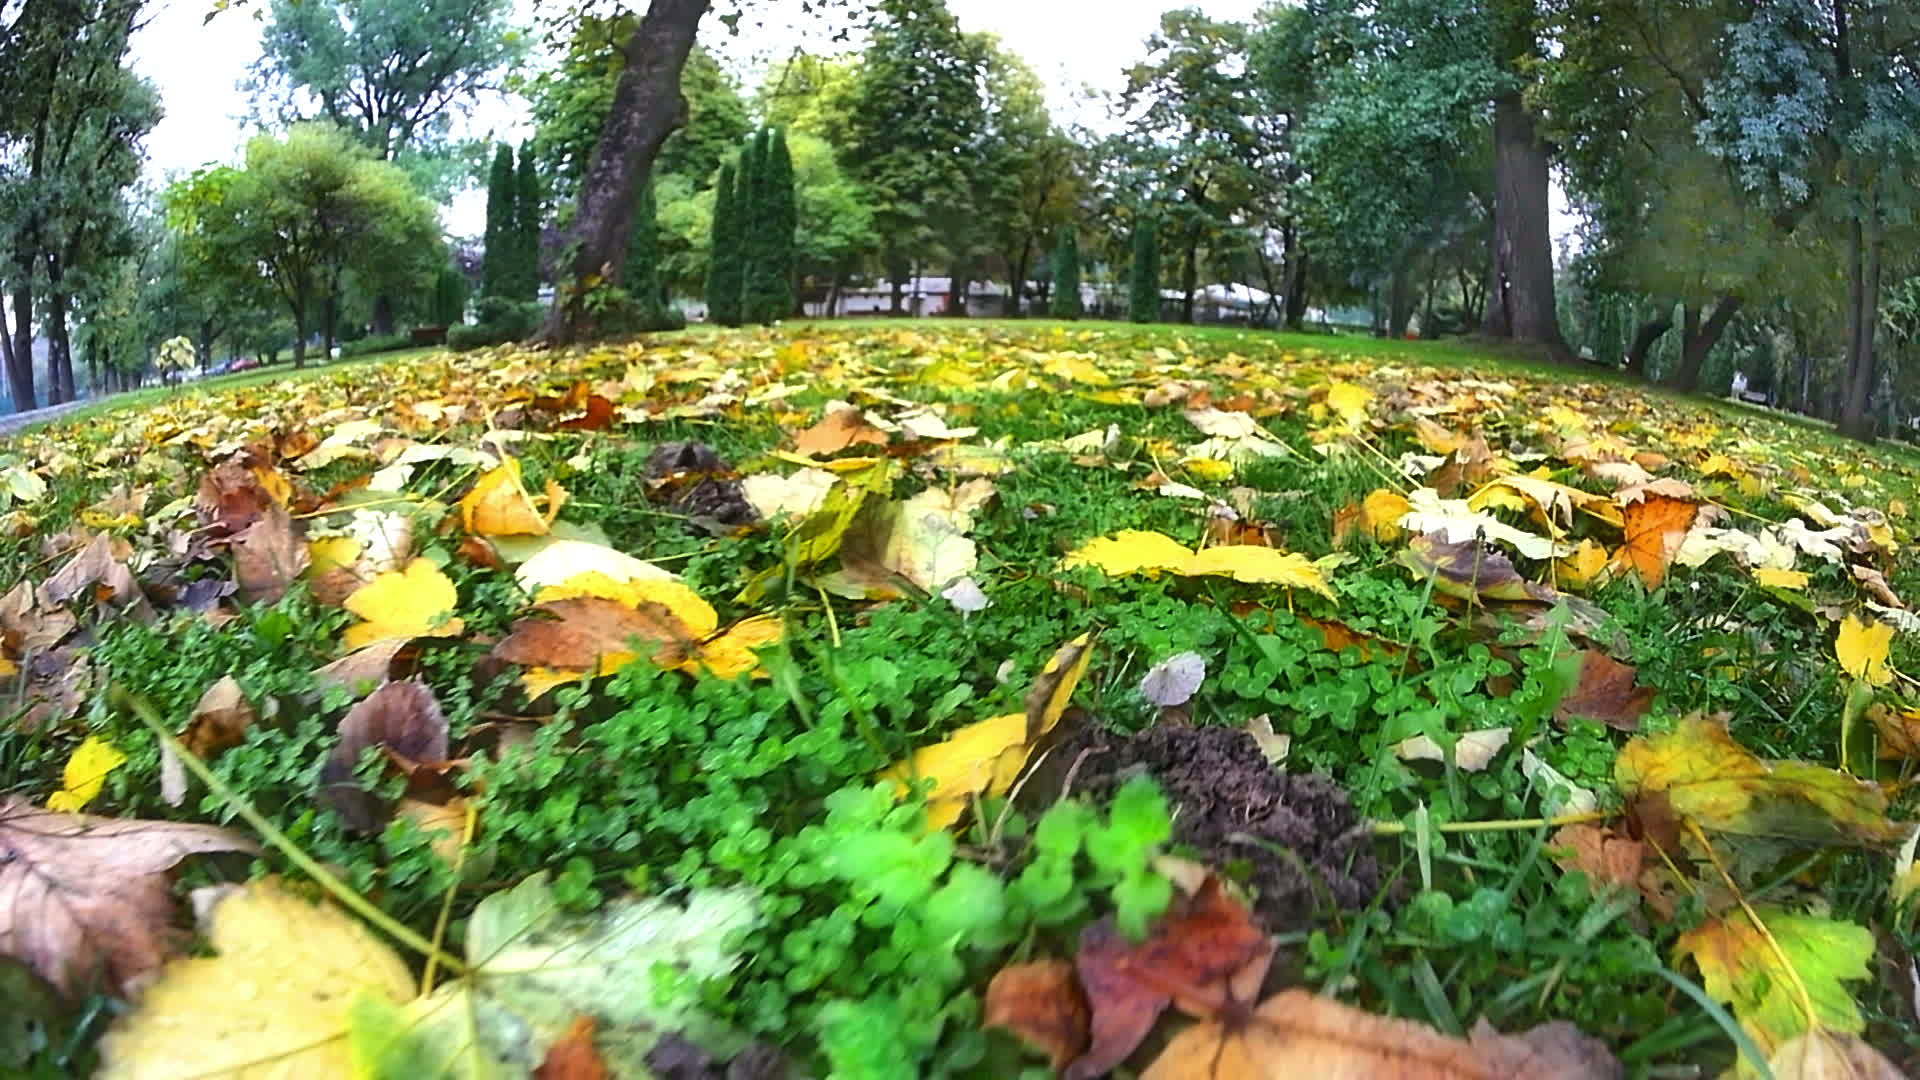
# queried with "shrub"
point(501, 320)
point(376, 343)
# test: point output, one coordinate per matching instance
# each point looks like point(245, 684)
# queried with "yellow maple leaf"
point(1780, 579)
point(499, 504)
point(732, 654)
point(1380, 514)
point(1588, 565)
point(329, 553)
point(413, 602)
point(85, 774)
point(1349, 401)
point(1259, 565)
point(275, 999)
point(1862, 649)
point(1132, 551)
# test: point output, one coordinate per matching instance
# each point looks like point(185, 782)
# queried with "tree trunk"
point(383, 315)
point(897, 271)
point(1189, 280)
point(957, 284)
point(1865, 243)
point(20, 375)
point(1520, 300)
point(1017, 285)
point(1698, 339)
point(1399, 300)
point(647, 106)
point(1650, 331)
point(299, 336)
point(329, 321)
point(59, 349)
point(1297, 289)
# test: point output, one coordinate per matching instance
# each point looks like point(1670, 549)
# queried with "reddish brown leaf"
point(572, 1056)
point(1606, 694)
point(269, 556)
point(1608, 858)
point(94, 569)
point(28, 627)
point(1200, 955)
point(231, 498)
point(598, 417)
point(1042, 1005)
point(578, 632)
point(401, 718)
point(85, 901)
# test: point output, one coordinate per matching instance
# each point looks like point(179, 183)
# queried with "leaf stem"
point(1397, 828)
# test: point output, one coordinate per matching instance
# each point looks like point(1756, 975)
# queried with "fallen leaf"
point(564, 560)
point(1740, 967)
point(410, 603)
point(920, 541)
point(275, 999)
point(1469, 571)
point(1655, 527)
point(94, 568)
point(1830, 1055)
point(1606, 693)
point(27, 626)
point(360, 671)
point(1175, 680)
point(795, 495)
point(86, 901)
point(1472, 751)
point(1258, 565)
point(1204, 953)
point(1714, 782)
point(230, 499)
point(499, 504)
point(1454, 522)
point(404, 720)
point(1774, 578)
point(840, 428)
point(1274, 746)
point(269, 556)
point(1586, 567)
point(1041, 1004)
point(1609, 859)
point(1862, 649)
point(1131, 551)
point(85, 774)
point(572, 1056)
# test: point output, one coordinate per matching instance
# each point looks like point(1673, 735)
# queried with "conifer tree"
point(750, 206)
point(527, 218)
point(724, 268)
point(496, 260)
point(770, 279)
point(641, 277)
point(1144, 303)
point(1065, 302)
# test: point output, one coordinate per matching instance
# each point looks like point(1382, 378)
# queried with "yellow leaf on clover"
point(86, 774)
point(1774, 577)
point(1258, 566)
point(1587, 565)
point(1349, 401)
point(967, 763)
point(732, 654)
point(499, 504)
point(1212, 469)
point(1862, 648)
point(414, 602)
point(1132, 551)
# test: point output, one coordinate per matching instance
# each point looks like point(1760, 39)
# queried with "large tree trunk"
point(59, 349)
point(1017, 283)
point(383, 315)
point(957, 285)
point(1520, 301)
point(647, 106)
point(1698, 339)
point(1399, 300)
point(1643, 339)
point(1865, 242)
point(1296, 288)
point(299, 336)
point(20, 376)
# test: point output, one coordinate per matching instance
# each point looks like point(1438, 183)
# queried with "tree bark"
point(1865, 243)
point(383, 315)
point(1520, 300)
point(1399, 300)
point(1297, 289)
point(20, 376)
point(59, 349)
point(957, 284)
point(647, 106)
point(299, 336)
point(1698, 339)
point(1643, 339)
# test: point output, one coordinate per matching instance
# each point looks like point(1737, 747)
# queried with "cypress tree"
point(1065, 302)
point(750, 209)
point(1144, 303)
point(501, 238)
point(724, 268)
point(641, 277)
point(449, 300)
point(527, 218)
point(770, 281)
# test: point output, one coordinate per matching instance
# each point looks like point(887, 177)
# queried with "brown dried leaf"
point(27, 626)
point(231, 498)
point(573, 1056)
point(269, 556)
point(85, 901)
point(220, 722)
point(1041, 1004)
point(1606, 693)
point(401, 718)
point(1608, 858)
point(94, 567)
point(362, 670)
point(580, 632)
point(836, 431)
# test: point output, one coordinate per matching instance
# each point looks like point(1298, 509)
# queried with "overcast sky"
point(1070, 44)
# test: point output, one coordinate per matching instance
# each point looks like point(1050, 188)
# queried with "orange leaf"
point(1655, 527)
point(1606, 693)
point(836, 431)
point(1042, 1005)
point(572, 1056)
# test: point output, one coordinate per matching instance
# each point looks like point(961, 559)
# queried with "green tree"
point(812, 95)
point(726, 269)
point(768, 293)
point(497, 263)
point(916, 112)
point(1143, 300)
point(528, 214)
point(644, 278)
point(394, 72)
point(449, 304)
point(303, 214)
point(1065, 302)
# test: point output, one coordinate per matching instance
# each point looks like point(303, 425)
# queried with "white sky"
point(1069, 43)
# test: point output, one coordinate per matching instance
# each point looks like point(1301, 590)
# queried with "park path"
point(14, 423)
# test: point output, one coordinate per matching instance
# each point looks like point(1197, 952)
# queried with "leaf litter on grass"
point(855, 471)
